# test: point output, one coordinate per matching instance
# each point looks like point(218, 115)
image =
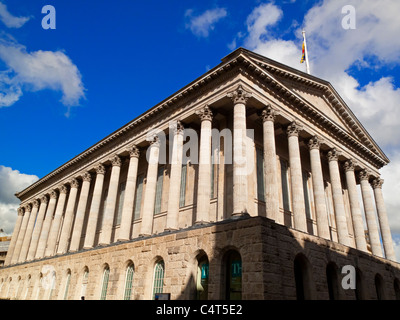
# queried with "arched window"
point(85, 278)
point(158, 282)
point(380, 294)
point(233, 275)
point(28, 283)
point(302, 275)
point(128, 281)
point(67, 280)
point(332, 280)
point(104, 283)
point(52, 284)
point(202, 278)
point(397, 288)
point(359, 292)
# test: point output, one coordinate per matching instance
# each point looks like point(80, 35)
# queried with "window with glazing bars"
point(159, 186)
point(67, 285)
point(183, 186)
point(128, 282)
point(120, 201)
point(260, 174)
point(104, 285)
point(285, 185)
point(158, 278)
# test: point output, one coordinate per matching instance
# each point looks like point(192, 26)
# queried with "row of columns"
point(36, 237)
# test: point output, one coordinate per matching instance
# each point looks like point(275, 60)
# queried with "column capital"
point(44, 199)
point(293, 129)
point(349, 165)
point(239, 95)
point(332, 155)
point(74, 183)
point(268, 114)
point(205, 113)
point(36, 203)
point(377, 183)
point(21, 210)
point(116, 160)
point(63, 189)
point(176, 127)
point(364, 174)
point(100, 169)
point(314, 143)
point(87, 177)
point(134, 151)
point(53, 194)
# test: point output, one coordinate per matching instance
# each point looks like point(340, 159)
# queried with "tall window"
point(202, 279)
point(104, 284)
point(138, 198)
point(158, 282)
point(332, 280)
point(121, 198)
point(85, 278)
point(67, 280)
point(380, 294)
point(105, 195)
point(183, 186)
point(285, 185)
point(159, 186)
point(306, 194)
point(233, 279)
point(128, 282)
point(260, 174)
point(302, 276)
point(52, 285)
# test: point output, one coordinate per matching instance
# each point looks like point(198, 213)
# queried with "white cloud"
point(11, 181)
point(396, 244)
point(9, 20)
point(202, 25)
point(38, 70)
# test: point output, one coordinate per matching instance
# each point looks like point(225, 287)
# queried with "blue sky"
point(107, 62)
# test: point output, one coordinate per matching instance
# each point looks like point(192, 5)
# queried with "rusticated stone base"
point(267, 250)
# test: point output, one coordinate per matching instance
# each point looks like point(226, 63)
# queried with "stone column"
point(338, 200)
point(296, 177)
point(80, 212)
point(150, 191)
point(28, 234)
point(204, 177)
point(12, 253)
point(55, 226)
point(370, 214)
point(46, 225)
point(175, 177)
point(239, 98)
point(129, 199)
point(68, 218)
point(95, 207)
point(318, 188)
point(355, 208)
point(37, 228)
point(383, 220)
point(108, 221)
point(270, 168)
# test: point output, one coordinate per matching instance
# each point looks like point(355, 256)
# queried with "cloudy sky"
point(64, 89)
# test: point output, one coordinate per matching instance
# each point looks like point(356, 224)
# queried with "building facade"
point(244, 184)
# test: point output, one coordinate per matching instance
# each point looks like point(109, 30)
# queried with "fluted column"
point(21, 234)
point(129, 199)
point(296, 177)
point(321, 211)
point(94, 207)
point(68, 218)
point(80, 212)
point(46, 225)
point(12, 253)
point(37, 228)
point(204, 177)
point(338, 200)
point(383, 220)
point(55, 226)
point(355, 208)
point(270, 167)
point(370, 214)
point(108, 221)
point(150, 191)
point(239, 98)
point(175, 178)
point(28, 234)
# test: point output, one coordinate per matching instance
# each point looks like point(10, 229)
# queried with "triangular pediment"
point(318, 94)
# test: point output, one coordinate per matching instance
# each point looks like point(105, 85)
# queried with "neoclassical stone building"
point(244, 184)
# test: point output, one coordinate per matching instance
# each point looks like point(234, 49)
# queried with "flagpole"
point(306, 53)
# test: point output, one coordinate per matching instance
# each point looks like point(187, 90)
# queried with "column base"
point(144, 235)
point(170, 229)
point(197, 223)
point(122, 240)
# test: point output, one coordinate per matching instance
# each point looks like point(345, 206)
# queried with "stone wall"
point(267, 250)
